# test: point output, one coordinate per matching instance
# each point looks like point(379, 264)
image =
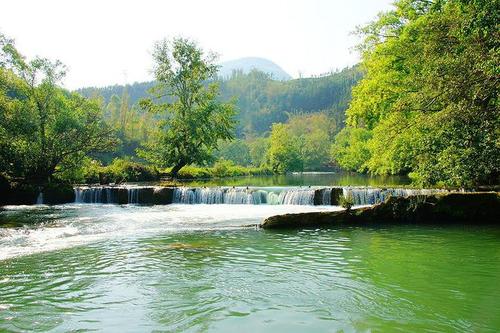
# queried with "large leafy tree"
point(43, 128)
point(193, 120)
point(284, 150)
point(429, 98)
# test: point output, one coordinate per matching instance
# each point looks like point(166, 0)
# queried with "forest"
point(422, 102)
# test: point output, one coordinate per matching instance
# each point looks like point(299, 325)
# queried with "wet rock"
point(318, 197)
point(19, 194)
point(24, 194)
point(58, 194)
point(333, 198)
point(163, 196)
point(336, 194)
point(122, 195)
point(442, 209)
point(146, 195)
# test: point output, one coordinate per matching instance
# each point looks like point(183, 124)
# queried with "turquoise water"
point(306, 179)
point(204, 268)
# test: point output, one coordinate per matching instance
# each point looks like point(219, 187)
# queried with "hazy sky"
point(108, 42)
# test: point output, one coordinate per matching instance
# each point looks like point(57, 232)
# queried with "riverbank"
point(474, 207)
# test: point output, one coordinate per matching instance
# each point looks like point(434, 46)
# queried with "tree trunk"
point(176, 168)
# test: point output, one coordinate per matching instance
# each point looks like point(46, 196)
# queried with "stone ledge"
point(474, 208)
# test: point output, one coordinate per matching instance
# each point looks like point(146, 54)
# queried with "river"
point(206, 267)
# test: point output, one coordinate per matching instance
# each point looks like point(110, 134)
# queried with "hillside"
point(261, 100)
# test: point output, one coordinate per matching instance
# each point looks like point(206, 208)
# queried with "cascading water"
point(238, 195)
point(39, 199)
point(297, 197)
point(133, 195)
point(218, 195)
point(371, 196)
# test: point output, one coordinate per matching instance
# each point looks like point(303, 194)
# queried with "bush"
point(347, 201)
point(221, 168)
point(191, 172)
point(128, 171)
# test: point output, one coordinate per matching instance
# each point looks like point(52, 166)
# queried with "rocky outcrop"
point(336, 194)
point(474, 208)
point(23, 194)
point(332, 198)
point(146, 196)
point(19, 194)
point(163, 195)
point(58, 194)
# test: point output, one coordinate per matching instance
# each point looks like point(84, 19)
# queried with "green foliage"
point(346, 201)
point(133, 126)
point(123, 170)
point(193, 120)
point(221, 168)
point(303, 143)
point(120, 170)
point(261, 100)
point(430, 94)
point(314, 132)
point(284, 150)
point(44, 130)
point(237, 151)
point(258, 148)
point(350, 149)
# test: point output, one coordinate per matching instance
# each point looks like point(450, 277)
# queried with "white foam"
point(86, 223)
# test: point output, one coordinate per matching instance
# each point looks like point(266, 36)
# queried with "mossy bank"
point(473, 208)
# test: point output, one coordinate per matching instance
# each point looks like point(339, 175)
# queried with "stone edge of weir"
point(475, 208)
point(307, 195)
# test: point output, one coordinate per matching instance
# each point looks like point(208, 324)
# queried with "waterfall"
point(297, 197)
point(234, 196)
point(371, 196)
point(133, 195)
point(127, 194)
point(39, 199)
point(326, 198)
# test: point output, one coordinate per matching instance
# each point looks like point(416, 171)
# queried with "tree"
point(430, 93)
point(43, 128)
point(193, 119)
point(284, 150)
point(350, 149)
point(236, 151)
point(258, 150)
point(315, 133)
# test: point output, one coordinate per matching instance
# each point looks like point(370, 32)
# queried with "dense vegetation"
point(45, 131)
point(311, 108)
point(260, 100)
point(424, 103)
point(192, 120)
point(428, 104)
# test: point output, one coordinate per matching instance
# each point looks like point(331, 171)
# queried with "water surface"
point(197, 268)
point(340, 178)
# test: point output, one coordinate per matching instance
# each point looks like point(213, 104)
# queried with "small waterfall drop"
point(371, 196)
point(39, 199)
point(132, 194)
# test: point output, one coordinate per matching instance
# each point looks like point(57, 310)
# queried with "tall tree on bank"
point(185, 98)
point(428, 103)
point(44, 129)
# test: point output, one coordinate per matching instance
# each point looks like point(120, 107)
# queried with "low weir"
point(148, 195)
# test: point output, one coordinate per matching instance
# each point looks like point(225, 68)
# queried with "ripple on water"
point(204, 279)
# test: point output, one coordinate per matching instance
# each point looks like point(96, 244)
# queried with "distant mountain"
point(248, 64)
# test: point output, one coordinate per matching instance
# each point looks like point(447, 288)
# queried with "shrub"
point(347, 201)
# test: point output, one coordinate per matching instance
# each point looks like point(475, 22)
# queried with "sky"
point(110, 42)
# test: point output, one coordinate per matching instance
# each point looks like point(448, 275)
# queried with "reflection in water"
point(340, 178)
point(184, 269)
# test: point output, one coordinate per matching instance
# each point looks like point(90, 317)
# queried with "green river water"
point(204, 268)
